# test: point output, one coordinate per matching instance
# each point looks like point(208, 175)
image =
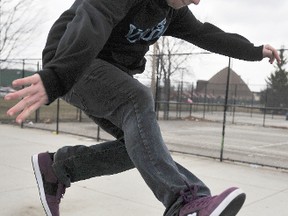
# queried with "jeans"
point(123, 107)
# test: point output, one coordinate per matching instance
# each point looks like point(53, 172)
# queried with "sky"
point(262, 22)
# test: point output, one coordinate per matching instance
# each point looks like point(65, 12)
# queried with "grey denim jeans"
point(123, 107)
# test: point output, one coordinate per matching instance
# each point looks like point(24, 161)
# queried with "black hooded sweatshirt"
point(120, 32)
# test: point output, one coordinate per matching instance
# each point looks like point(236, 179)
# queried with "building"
point(215, 88)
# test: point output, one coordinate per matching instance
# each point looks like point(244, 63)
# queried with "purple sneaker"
point(227, 203)
point(50, 190)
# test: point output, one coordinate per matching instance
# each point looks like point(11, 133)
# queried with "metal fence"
point(60, 112)
point(188, 129)
point(193, 122)
point(237, 114)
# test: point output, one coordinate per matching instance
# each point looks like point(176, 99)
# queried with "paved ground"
point(126, 193)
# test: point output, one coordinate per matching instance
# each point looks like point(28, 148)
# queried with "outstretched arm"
point(209, 37)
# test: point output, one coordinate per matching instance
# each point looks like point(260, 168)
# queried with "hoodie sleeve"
point(211, 38)
point(75, 40)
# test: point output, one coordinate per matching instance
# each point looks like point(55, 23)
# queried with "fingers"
point(32, 97)
point(22, 104)
point(26, 106)
point(18, 94)
point(276, 56)
point(271, 53)
point(28, 110)
point(26, 81)
point(272, 58)
point(31, 80)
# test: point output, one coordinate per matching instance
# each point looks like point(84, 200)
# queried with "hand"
point(32, 97)
point(271, 53)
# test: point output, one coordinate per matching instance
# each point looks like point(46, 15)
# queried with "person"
point(91, 54)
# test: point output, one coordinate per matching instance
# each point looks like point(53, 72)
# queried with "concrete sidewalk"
point(124, 194)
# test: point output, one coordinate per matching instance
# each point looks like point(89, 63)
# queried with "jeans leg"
point(107, 92)
point(75, 163)
point(202, 190)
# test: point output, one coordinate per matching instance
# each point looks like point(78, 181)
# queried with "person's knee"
point(144, 96)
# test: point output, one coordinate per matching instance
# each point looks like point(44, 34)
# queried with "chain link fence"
point(187, 107)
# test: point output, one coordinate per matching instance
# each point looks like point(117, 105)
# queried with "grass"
point(45, 113)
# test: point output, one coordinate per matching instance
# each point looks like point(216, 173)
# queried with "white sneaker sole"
point(236, 195)
point(38, 176)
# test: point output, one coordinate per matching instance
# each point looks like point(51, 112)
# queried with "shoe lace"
point(189, 194)
point(60, 192)
point(191, 200)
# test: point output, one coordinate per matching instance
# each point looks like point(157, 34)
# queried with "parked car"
point(5, 90)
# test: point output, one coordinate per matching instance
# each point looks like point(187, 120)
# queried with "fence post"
point(98, 133)
point(37, 112)
point(23, 75)
point(205, 101)
point(79, 115)
point(265, 106)
point(177, 103)
point(57, 118)
point(234, 102)
point(225, 110)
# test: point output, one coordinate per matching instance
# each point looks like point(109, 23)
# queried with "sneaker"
point(50, 190)
point(227, 203)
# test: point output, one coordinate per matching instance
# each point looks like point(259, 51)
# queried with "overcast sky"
point(262, 22)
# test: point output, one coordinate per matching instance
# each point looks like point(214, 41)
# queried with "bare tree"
point(18, 21)
point(170, 60)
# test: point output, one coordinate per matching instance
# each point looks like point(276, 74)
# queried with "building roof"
point(216, 85)
point(221, 77)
